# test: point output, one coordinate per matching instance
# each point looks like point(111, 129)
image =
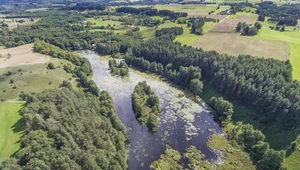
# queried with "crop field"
point(11, 129)
point(22, 55)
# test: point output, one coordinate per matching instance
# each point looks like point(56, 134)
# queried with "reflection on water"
point(182, 122)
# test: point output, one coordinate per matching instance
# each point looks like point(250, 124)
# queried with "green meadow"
point(12, 127)
point(32, 78)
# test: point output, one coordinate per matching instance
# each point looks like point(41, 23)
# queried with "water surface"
point(182, 122)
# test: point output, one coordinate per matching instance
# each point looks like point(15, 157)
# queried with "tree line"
point(152, 12)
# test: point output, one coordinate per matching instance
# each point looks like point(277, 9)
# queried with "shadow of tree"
point(19, 126)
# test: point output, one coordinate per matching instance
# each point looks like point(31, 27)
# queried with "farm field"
point(11, 129)
point(235, 44)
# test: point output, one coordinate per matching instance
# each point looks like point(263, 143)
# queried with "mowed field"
point(12, 127)
point(224, 39)
point(22, 55)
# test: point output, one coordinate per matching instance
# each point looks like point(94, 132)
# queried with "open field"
point(22, 55)
point(32, 78)
point(186, 38)
point(13, 24)
point(11, 129)
point(235, 44)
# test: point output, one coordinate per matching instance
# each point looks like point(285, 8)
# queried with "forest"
point(53, 140)
point(146, 105)
point(152, 12)
point(287, 14)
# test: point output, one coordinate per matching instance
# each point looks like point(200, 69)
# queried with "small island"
point(146, 105)
point(118, 68)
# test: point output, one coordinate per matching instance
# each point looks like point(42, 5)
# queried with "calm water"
point(182, 122)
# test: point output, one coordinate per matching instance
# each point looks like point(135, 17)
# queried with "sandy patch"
point(22, 55)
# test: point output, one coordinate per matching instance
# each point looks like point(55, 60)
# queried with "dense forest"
point(152, 12)
point(287, 14)
point(66, 129)
point(146, 105)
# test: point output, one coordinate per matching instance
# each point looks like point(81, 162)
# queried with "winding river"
point(182, 122)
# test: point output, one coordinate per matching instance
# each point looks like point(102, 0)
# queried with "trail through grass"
point(12, 126)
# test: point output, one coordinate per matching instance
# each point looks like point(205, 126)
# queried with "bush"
point(51, 66)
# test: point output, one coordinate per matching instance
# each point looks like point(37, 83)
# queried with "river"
point(182, 122)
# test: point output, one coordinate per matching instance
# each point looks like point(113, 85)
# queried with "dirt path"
point(21, 55)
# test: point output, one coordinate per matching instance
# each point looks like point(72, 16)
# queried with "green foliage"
point(146, 105)
point(272, 160)
point(196, 159)
point(197, 25)
point(252, 141)
point(196, 86)
point(48, 49)
point(223, 109)
point(173, 30)
point(168, 161)
point(51, 66)
point(53, 140)
point(245, 29)
point(118, 68)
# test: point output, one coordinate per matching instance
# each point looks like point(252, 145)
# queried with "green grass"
point(290, 36)
point(234, 157)
point(292, 162)
point(186, 38)
point(12, 127)
point(32, 78)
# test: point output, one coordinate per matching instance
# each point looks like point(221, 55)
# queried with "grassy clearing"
point(291, 37)
point(12, 127)
point(234, 158)
point(32, 78)
point(22, 55)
